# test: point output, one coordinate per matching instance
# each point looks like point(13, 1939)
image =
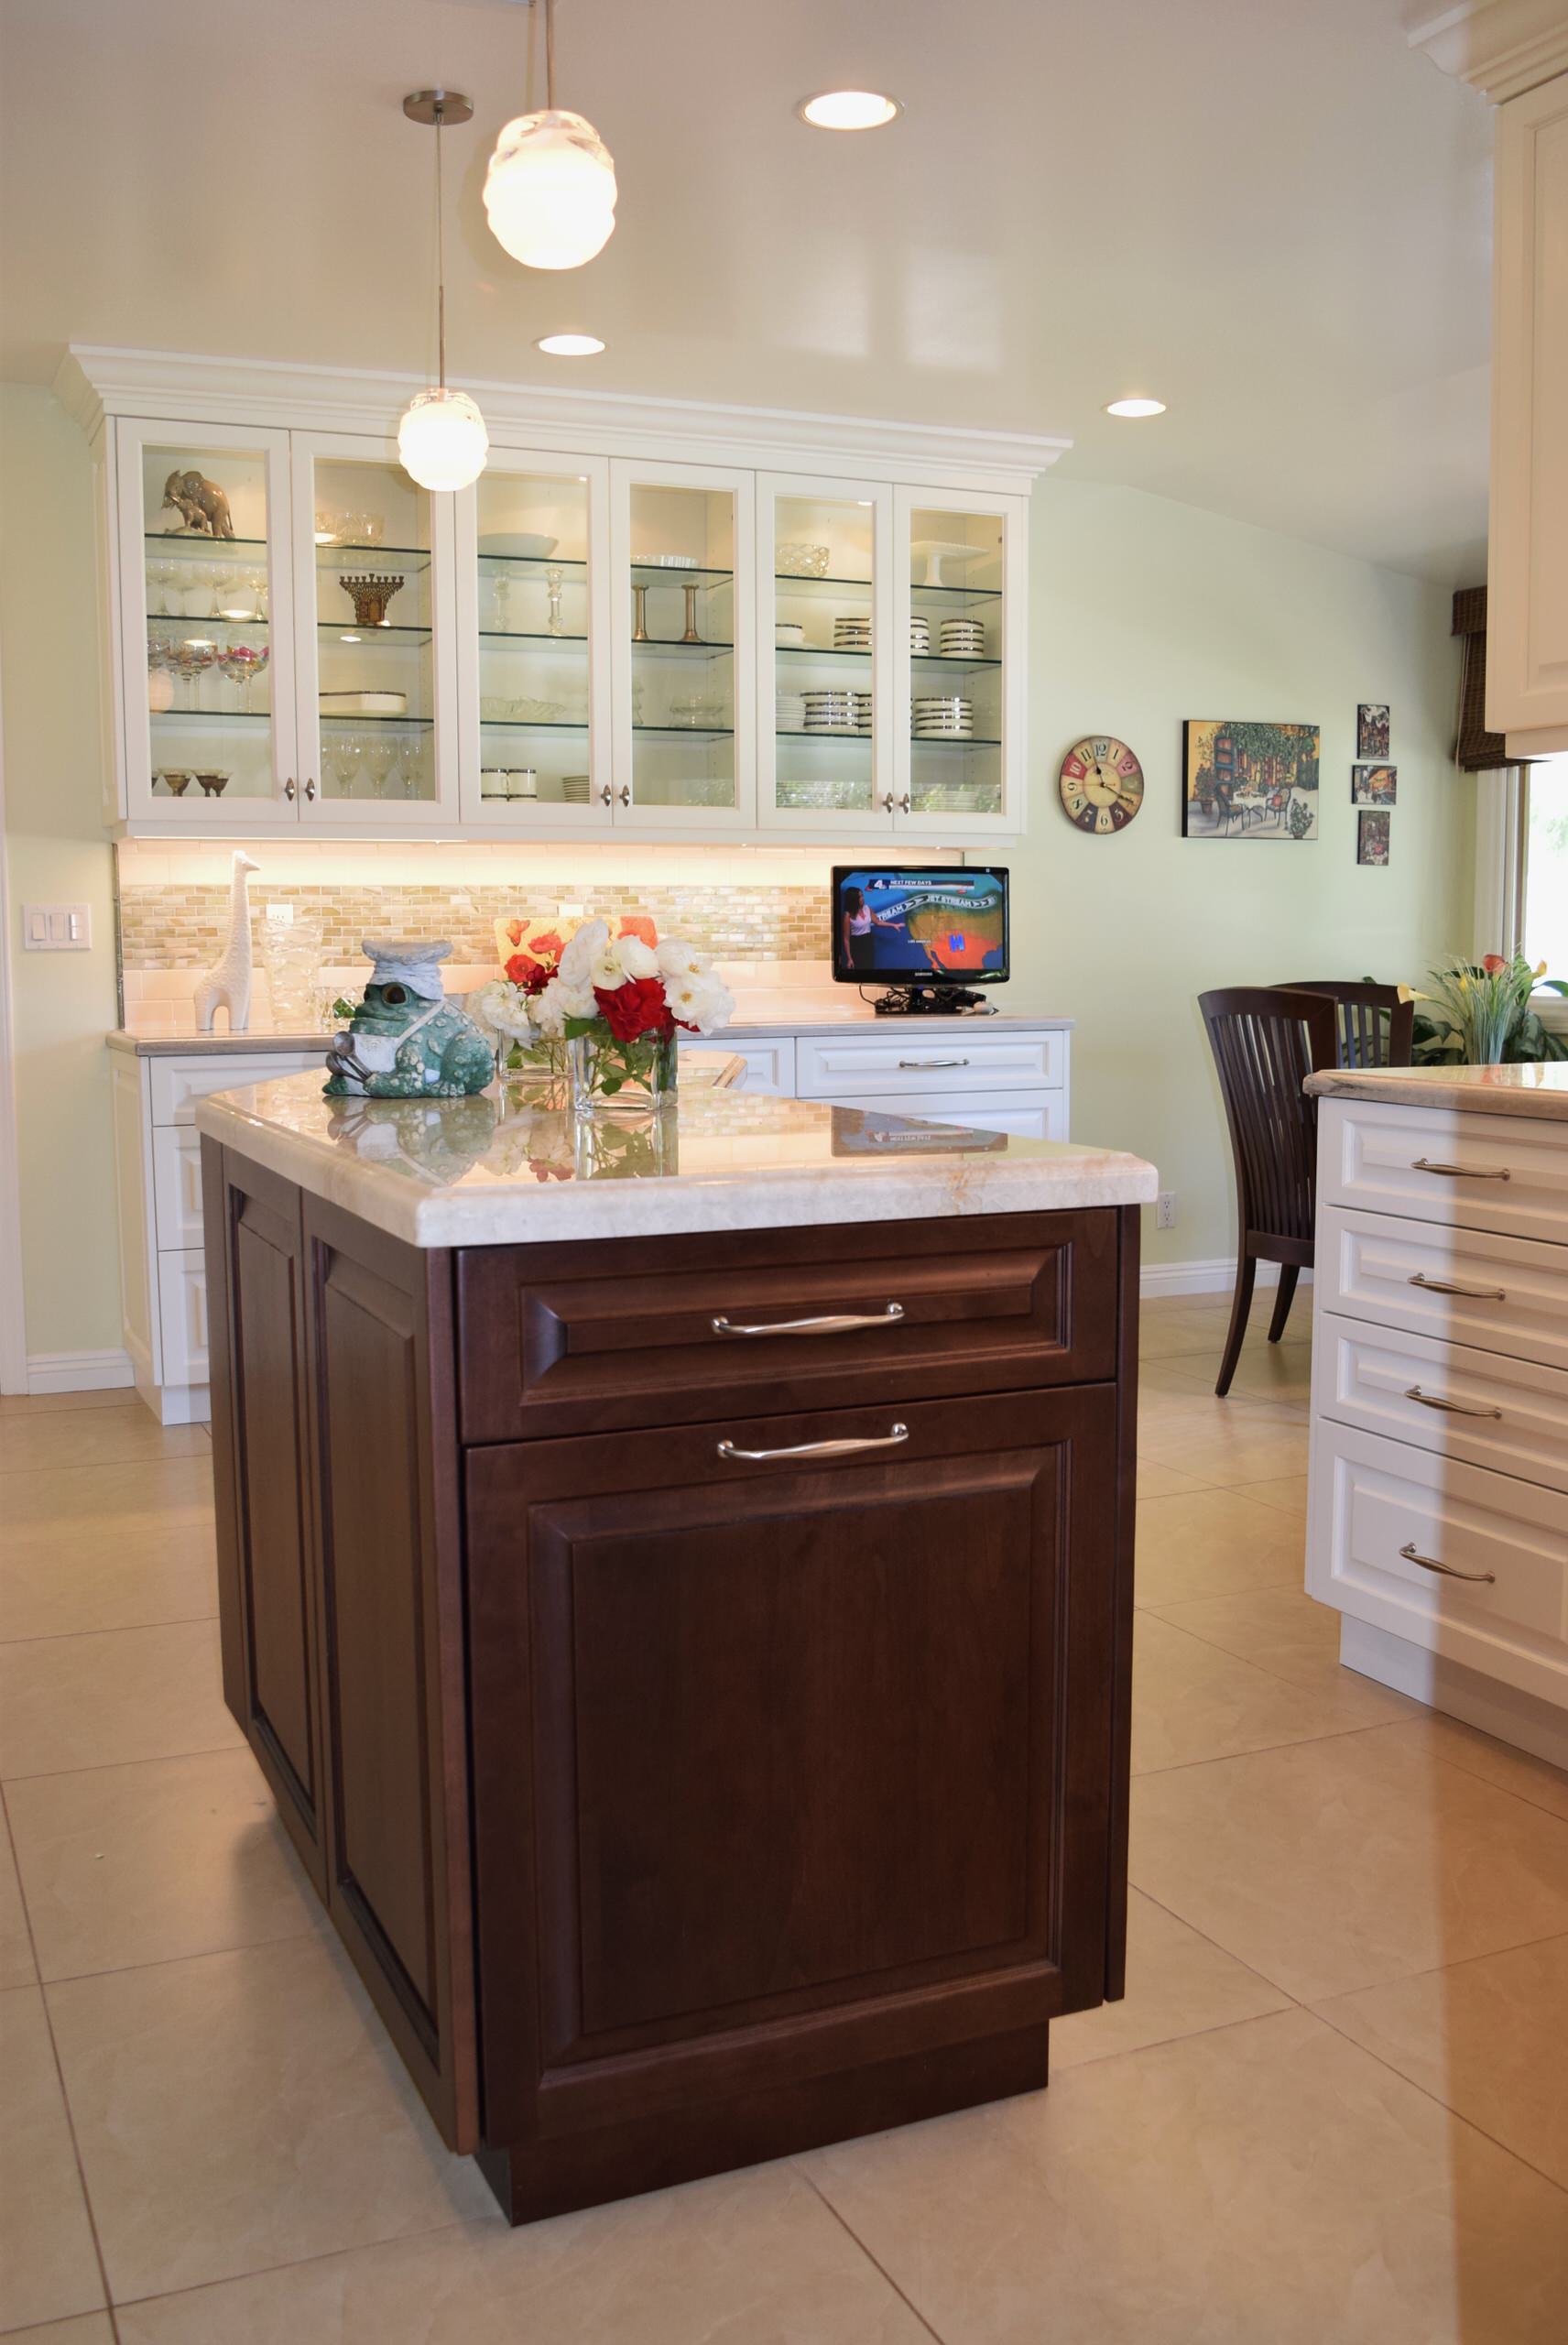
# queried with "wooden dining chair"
point(1376, 1024)
point(1266, 1042)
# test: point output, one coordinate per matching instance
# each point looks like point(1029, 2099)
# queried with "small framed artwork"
point(1372, 728)
point(1372, 839)
point(1374, 785)
point(1241, 780)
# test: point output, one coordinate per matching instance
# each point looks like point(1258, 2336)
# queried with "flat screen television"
point(920, 925)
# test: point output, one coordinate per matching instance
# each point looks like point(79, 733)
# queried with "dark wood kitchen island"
point(677, 1583)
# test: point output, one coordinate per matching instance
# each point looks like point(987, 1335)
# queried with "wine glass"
point(381, 756)
point(259, 655)
point(256, 587)
point(554, 579)
point(161, 575)
point(343, 757)
point(223, 578)
point(192, 663)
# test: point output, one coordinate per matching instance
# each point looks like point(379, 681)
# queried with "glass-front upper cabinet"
point(377, 746)
point(204, 623)
point(961, 657)
point(825, 635)
point(533, 617)
point(682, 543)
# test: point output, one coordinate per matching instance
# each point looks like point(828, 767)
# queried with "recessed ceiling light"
point(569, 346)
point(1135, 406)
point(849, 110)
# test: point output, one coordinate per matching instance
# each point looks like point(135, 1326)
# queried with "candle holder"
point(639, 614)
point(371, 594)
point(691, 635)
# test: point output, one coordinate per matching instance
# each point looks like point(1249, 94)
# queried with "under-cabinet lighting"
point(849, 110)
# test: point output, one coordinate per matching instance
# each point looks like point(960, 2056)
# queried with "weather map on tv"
point(919, 926)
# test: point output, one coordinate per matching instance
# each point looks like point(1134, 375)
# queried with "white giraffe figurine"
point(228, 981)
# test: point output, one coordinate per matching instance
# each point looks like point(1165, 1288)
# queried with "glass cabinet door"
point(965, 705)
point(825, 611)
point(204, 623)
point(374, 695)
point(683, 554)
point(534, 607)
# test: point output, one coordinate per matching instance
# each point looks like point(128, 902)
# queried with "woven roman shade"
point(1476, 750)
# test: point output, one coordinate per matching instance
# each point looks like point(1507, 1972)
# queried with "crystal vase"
point(614, 1078)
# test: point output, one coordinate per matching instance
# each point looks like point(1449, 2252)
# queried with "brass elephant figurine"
point(202, 503)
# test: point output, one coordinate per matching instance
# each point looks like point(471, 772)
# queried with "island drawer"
point(1502, 1294)
point(563, 1340)
point(1480, 1407)
point(1437, 1164)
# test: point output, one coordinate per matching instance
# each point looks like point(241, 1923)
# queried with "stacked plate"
point(963, 639)
point(852, 633)
point(920, 636)
point(834, 712)
point(941, 716)
point(574, 789)
point(862, 711)
point(789, 712)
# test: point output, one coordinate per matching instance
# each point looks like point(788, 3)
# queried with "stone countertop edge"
point(742, 1028)
point(1053, 1176)
point(1539, 1091)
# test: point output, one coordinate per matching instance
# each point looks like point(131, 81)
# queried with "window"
point(1543, 894)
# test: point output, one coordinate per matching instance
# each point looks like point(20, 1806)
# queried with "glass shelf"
point(225, 717)
point(346, 631)
point(535, 561)
point(846, 733)
point(174, 618)
point(654, 573)
point(670, 647)
point(173, 539)
point(956, 741)
point(365, 557)
point(816, 651)
point(523, 635)
point(961, 593)
point(688, 732)
point(789, 583)
point(337, 716)
point(939, 660)
point(526, 724)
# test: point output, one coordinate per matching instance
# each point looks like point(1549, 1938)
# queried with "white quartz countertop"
point(191, 1045)
point(1540, 1091)
point(499, 1170)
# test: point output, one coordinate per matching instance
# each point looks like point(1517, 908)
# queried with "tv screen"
point(921, 925)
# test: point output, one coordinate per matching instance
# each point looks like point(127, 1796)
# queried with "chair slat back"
point(1266, 1042)
point(1375, 1025)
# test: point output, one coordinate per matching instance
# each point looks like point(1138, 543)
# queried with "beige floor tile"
point(1293, 1637)
point(1157, 1481)
point(99, 1701)
point(106, 1547)
point(746, 2259)
point(1193, 1701)
point(44, 1404)
point(17, 1965)
point(1268, 2184)
point(87, 2329)
point(1338, 1863)
point(1214, 1543)
point(1480, 1754)
point(1280, 1373)
point(1289, 1493)
point(1167, 1330)
point(244, 2110)
point(148, 1862)
point(1178, 1984)
point(48, 2266)
point(68, 1439)
point(1487, 2037)
point(1238, 1441)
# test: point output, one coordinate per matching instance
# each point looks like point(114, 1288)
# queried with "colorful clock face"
point(1101, 785)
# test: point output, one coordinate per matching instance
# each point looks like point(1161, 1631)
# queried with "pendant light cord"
point(441, 254)
point(549, 54)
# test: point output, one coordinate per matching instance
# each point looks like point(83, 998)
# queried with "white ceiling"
point(1270, 212)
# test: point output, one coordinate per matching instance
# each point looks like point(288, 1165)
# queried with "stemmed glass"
point(256, 587)
point(256, 656)
point(223, 578)
point(555, 579)
point(162, 574)
point(343, 757)
point(191, 662)
point(381, 756)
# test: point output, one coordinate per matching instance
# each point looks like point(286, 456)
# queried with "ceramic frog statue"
point(406, 1040)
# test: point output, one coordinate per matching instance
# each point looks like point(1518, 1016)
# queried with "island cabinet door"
point(791, 1743)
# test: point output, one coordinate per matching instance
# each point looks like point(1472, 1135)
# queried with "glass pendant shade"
point(442, 439)
point(550, 191)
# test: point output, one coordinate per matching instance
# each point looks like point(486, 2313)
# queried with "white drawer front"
point(1373, 1157)
point(868, 1066)
point(1372, 1499)
point(176, 1185)
point(1037, 1116)
point(1480, 1407)
point(178, 1083)
point(183, 1307)
point(769, 1066)
point(1513, 1293)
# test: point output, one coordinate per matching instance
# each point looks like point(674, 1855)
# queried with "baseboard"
point(1217, 1277)
point(78, 1371)
point(1502, 1711)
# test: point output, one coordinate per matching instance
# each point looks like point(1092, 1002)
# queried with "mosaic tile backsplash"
point(185, 927)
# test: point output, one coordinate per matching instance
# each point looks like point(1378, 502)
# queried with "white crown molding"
point(1501, 48)
point(95, 381)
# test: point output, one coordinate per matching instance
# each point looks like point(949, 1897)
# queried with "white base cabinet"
point(1438, 1501)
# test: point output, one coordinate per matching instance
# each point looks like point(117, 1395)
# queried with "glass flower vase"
point(541, 1061)
point(616, 1078)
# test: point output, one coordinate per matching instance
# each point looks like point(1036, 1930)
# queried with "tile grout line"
point(96, 1766)
point(299, 2263)
point(876, 2264)
point(1342, 1734)
point(108, 2305)
point(63, 1636)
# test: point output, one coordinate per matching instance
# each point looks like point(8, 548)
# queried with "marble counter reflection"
point(516, 1167)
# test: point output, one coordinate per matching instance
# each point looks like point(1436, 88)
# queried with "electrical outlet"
point(1165, 1209)
point(56, 928)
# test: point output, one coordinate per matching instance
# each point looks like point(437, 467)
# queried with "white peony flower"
point(558, 1002)
point(637, 958)
point(701, 1001)
point(581, 951)
point(678, 959)
point(500, 1011)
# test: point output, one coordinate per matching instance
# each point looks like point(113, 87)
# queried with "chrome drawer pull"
point(913, 1067)
point(1446, 1286)
point(813, 1448)
point(1430, 1564)
point(841, 1323)
point(1459, 1171)
point(1455, 1408)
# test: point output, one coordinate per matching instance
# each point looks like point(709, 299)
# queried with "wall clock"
point(1101, 785)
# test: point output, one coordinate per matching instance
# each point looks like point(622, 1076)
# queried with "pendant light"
point(550, 191)
point(442, 438)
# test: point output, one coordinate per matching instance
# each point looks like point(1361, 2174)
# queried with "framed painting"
point(1372, 839)
point(1374, 785)
point(1372, 728)
point(1246, 781)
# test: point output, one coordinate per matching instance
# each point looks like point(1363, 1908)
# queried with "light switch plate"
point(56, 928)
